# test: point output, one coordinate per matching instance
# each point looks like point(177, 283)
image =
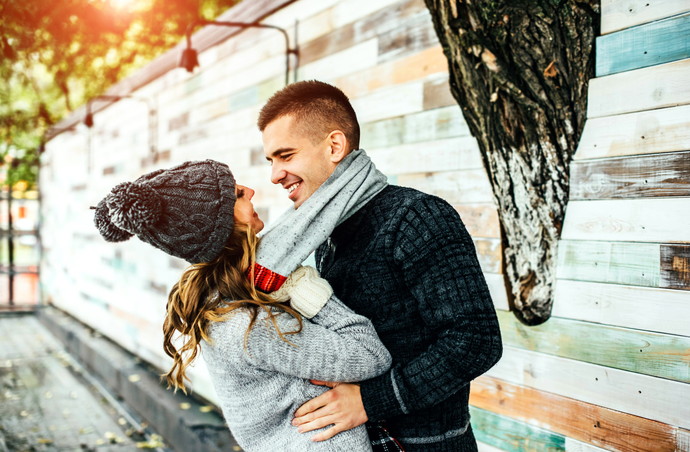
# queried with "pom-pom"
point(134, 207)
point(108, 230)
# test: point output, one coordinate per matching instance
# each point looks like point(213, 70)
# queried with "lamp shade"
point(88, 120)
point(189, 59)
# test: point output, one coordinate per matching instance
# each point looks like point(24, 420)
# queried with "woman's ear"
point(339, 146)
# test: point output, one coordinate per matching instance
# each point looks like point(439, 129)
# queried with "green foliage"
point(58, 54)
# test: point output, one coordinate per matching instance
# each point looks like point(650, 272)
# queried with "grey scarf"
point(298, 232)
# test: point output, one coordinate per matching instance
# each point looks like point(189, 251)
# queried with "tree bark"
point(519, 69)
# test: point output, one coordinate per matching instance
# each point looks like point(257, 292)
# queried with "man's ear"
point(339, 145)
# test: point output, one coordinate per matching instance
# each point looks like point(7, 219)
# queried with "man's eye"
point(240, 193)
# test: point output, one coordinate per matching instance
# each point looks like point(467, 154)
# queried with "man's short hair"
point(317, 108)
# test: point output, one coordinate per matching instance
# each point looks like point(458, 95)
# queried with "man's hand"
point(341, 407)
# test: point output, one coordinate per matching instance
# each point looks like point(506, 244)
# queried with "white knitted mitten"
point(307, 291)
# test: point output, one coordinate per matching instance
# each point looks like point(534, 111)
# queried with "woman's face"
point(244, 209)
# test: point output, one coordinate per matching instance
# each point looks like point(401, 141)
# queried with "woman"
point(259, 350)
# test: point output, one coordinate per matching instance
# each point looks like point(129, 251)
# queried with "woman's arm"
point(335, 345)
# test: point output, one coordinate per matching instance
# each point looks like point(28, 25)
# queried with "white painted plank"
point(620, 14)
point(456, 187)
point(348, 61)
point(389, 102)
point(665, 85)
point(683, 440)
point(646, 132)
point(483, 447)
point(303, 11)
point(352, 10)
point(641, 395)
point(638, 220)
point(650, 309)
point(573, 445)
point(498, 290)
point(451, 154)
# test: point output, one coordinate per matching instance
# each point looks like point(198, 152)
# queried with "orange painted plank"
point(585, 422)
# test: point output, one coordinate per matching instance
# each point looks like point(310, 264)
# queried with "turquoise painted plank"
point(629, 263)
point(659, 355)
point(645, 45)
point(193, 84)
point(510, 435)
point(244, 98)
point(430, 125)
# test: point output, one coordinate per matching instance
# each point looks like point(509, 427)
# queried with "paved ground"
point(48, 402)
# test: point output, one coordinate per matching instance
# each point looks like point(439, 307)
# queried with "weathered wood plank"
point(646, 45)
point(498, 290)
point(387, 102)
point(313, 18)
point(449, 154)
point(428, 125)
point(352, 60)
point(586, 422)
point(456, 187)
point(645, 132)
point(635, 264)
point(387, 18)
point(490, 254)
point(683, 440)
point(675, 267)
point(631, 177)
point(481, 220)
point(573, 445)
point(618, 14)
point(410, 36)
point(429, 62)
point(642, 308)
point(642, 220)
point(637, 394)
point(654, 354)
point(483, 447)
point(665, 85)
point(510, 435)
point(437, 93)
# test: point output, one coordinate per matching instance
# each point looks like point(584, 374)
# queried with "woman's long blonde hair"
point(208, 292)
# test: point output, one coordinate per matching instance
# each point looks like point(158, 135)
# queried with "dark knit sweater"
point(406, 261)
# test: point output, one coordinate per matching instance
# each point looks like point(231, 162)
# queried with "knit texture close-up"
point(186, 211)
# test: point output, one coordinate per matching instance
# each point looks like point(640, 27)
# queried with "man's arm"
point(438, 264)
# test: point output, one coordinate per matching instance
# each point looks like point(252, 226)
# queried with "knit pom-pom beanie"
point(134, 207)
point(186, 211)
point(108, 230)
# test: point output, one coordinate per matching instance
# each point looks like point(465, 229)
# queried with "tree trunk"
point(519, 69)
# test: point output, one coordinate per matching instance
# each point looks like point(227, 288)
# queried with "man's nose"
point(277, 173)
point(250, 193)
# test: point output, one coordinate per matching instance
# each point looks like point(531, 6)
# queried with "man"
point(406, 261)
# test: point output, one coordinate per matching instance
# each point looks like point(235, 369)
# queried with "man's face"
point(297, 164)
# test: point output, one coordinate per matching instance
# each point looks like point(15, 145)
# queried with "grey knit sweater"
point(259, 388)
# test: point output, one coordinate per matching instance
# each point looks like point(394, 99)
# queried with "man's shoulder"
point(404, 196)
point(400, 201)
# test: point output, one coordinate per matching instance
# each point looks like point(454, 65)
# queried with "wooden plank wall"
point(611, 368)
point(609, 371)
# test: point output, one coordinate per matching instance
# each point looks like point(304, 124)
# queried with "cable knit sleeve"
point(335, 345)
point(437, 260)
